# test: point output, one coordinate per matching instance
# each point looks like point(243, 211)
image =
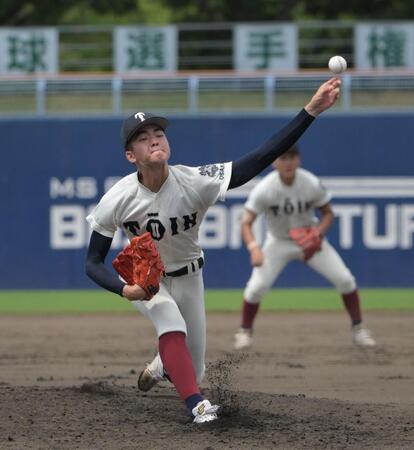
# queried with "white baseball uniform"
point(289, 207)
point(173, 216)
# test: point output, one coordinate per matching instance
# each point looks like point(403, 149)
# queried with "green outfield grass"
point(57, 302)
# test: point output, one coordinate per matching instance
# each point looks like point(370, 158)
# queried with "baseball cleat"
point(205, 412)
point(151, 375)
point(362, 337)
point(243, 339)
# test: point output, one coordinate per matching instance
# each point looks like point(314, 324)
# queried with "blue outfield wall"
point(54, 170)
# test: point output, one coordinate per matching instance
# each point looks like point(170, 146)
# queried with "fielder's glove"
point(309, 238)
point(140, 263)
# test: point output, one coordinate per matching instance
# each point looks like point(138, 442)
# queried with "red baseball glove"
point(309, 238)
point(140, 263)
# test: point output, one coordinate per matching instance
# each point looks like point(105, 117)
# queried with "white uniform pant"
point(279, 252)
point(179, 306)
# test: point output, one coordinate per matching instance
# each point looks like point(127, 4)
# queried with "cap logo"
point(140, 116)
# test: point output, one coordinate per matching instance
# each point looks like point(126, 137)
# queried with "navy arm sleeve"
point(99, 246)
point(250, 165)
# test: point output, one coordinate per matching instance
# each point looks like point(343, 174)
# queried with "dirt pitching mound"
point(107, 418)
point(69, 382)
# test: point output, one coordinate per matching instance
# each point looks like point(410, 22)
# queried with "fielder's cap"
point(135, 122)
point(294, 150)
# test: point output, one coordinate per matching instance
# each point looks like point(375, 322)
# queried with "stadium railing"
point(199, 93)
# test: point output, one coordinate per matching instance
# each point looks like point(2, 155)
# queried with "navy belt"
point(196, 265)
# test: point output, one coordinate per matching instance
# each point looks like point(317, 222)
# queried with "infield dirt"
point(69, 382)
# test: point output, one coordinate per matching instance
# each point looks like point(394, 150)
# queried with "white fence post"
point(269, 90)
point(346, 92)
point(116, 95)
point(193, 84)
point(40, 96)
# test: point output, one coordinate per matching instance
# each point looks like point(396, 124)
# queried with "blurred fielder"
point(289, 197)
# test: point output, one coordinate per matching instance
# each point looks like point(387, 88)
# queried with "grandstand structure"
point(205, 81)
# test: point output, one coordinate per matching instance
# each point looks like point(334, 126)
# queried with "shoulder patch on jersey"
point(208, 170)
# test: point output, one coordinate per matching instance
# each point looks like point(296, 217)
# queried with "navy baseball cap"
point(135, 122)
point(294, 150)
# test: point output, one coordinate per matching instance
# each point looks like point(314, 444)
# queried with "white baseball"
point(337, 64)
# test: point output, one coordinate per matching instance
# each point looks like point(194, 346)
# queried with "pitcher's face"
point(149, 147)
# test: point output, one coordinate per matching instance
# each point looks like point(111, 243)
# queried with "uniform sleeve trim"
point(227, 177)
point(327, 199)
point(96, 227)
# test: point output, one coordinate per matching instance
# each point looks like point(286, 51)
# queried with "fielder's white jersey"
point(172, 215)
point(285, 206)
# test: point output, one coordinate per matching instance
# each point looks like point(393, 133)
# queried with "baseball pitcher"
point(169, 203)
